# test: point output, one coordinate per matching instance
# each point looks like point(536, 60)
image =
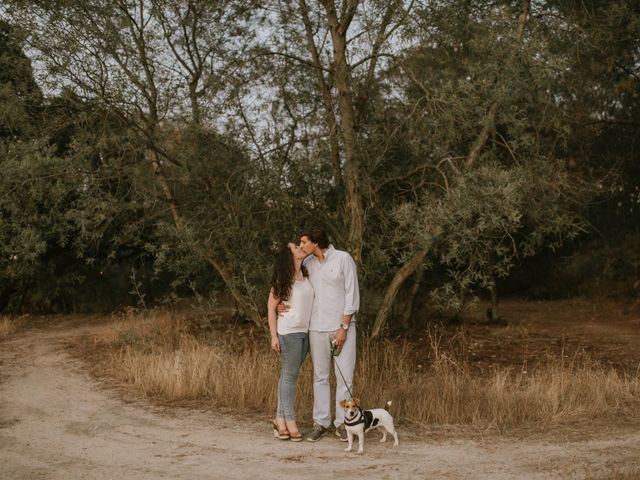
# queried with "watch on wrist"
point(345, 326)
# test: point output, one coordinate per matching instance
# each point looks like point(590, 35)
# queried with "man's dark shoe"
point(341, 433)
point(317, 433)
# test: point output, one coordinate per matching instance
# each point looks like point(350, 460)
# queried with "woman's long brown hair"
point(283, 273)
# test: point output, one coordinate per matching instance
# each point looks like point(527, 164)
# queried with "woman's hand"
point(275, 344)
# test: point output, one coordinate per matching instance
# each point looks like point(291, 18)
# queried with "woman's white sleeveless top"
point(296, 319)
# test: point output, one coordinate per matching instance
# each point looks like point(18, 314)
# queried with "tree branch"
point(490, 118)
point(291, 57)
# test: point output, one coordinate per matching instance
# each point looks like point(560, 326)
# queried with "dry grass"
point(156, 355)
point(9, 325)
point(448, 391)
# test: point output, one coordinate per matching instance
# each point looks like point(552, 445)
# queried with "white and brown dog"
point(358, 422)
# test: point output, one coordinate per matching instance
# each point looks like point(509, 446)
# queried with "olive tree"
point(161, 66)
point(489, 134)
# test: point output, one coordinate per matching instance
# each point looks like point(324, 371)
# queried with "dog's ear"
point(357, 402)
point(343, 403)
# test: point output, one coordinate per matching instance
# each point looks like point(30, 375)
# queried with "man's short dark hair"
point(316, 235)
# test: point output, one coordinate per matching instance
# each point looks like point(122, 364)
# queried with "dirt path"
point(56, 422)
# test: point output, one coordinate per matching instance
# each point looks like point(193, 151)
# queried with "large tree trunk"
point(342, 71)
point(167, 191)
point(246, 307)
point(196, 115)
point(405, 317)
point(495, 313)
point(347, 176)
point(325, 91)
point(483, 136)
point(398, 280)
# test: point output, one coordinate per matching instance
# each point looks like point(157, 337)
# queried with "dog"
point(358, 422)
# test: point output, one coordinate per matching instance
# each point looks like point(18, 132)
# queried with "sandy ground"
point(57, 422)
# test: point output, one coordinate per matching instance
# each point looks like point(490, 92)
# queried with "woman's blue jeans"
point(294, 348)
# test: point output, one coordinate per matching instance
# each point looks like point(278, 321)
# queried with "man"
point(337, 298)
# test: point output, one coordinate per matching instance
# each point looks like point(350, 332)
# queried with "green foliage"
point(477, 217)
point(20, 96)
point(181, 146)
point(229, 206)
point(490, 220)
point(35, 230)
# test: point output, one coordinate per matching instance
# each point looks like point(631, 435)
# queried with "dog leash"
point(335, 352)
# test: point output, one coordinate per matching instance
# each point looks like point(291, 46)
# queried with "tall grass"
point(448, 392)
point(9, 325)
point(158, 356)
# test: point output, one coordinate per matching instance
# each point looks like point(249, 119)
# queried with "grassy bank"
point(430, 382)
point(9, 325)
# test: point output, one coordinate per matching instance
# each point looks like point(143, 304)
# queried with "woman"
point(289, 332)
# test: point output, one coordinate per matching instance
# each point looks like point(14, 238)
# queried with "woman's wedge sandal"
point(281, 434)
point(295, 436)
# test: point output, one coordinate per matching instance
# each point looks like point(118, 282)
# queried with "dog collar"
point(354, 423)
point(359, 419)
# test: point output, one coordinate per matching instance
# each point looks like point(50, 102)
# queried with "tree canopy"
point(164, 148)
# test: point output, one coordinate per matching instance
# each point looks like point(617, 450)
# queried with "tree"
point(142, 59)
point(601, 94)
point(433, 134)
point(485, 63)
point(20, 96)
point(34, 231)
point(340, 45)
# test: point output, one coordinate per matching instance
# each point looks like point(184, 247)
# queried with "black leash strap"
point(334, 350)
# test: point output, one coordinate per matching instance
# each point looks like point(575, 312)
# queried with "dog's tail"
point(386, 407)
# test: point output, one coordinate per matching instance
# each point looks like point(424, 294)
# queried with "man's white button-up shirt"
point(335, 283)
